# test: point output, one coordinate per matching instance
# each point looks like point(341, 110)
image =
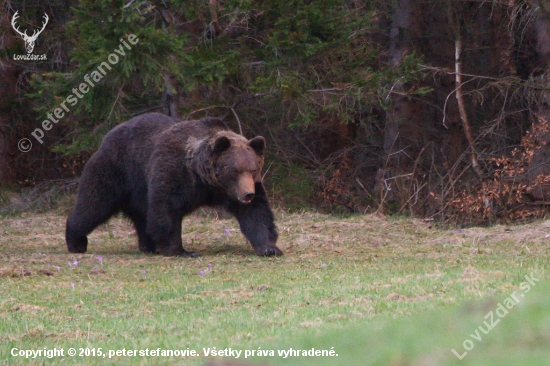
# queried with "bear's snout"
point(248, 197)
point(245, 189)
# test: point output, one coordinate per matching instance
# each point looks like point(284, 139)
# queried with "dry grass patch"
point(335, 271)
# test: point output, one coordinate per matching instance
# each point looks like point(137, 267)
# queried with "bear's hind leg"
point(86, 216)
point(175, 245)
point(95, 204)
point(76, 242)
point(165, 230)
point(146, 244)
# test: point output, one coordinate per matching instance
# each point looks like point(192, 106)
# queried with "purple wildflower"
point(201, 273)
point(100, 259)
point(58, 268)
point(226, 231)
point(72, 284)
point(460, 231)
point(143, 272)
point(209, 266)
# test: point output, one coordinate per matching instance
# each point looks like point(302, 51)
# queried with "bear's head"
point(238, 165)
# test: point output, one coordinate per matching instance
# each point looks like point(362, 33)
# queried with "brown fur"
point(156, 170)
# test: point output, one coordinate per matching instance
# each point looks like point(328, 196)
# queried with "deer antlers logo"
point(29, 40)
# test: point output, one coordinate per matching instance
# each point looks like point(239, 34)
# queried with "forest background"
point(432, 108)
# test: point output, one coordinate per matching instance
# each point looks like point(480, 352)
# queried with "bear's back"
point(138, 132)
point(198, 129)
point(128, 146)
point(185, 136)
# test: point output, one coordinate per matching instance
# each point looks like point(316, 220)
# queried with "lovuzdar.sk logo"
point(29, 40)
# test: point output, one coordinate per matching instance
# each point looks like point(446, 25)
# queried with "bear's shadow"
point(214, 249)
point(205, 249)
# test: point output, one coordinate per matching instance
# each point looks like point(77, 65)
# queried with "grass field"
point(381, 291)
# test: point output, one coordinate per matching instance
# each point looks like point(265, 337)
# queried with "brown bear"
point(156, 169)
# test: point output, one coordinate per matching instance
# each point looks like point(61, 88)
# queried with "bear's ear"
point(222, 143)
point(257, 144)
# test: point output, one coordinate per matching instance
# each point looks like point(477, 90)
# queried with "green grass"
point(404, 282)
point(520, 337)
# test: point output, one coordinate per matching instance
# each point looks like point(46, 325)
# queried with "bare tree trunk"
point(170, 96)
point(9, 74)
point(5, 171)
point(462, 109)
point(406, 27)
point(504, 39)
point(455, 29)
point(215, 27)
point(538, 170)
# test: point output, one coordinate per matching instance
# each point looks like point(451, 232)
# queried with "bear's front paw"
point(269, 252)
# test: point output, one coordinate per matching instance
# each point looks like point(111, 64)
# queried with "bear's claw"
point(270, 252)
